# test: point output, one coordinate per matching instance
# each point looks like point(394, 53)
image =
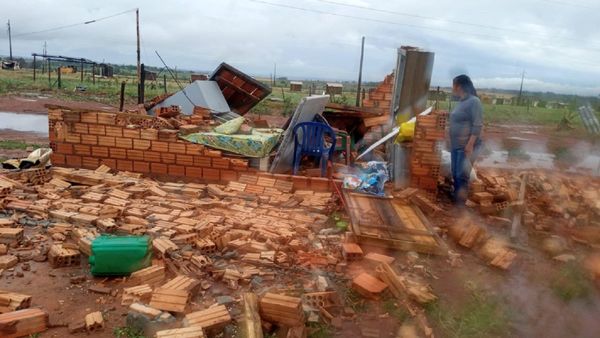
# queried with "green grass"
point(12, 145)
point(127, 332)
point(319, 330)
point(482, 315)
point(570, 283)
point(391, 307)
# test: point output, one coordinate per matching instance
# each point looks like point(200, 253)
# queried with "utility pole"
point(521, 89)
point(274, 74)
point(9, 41)
point(137, 27)
point(362, 54)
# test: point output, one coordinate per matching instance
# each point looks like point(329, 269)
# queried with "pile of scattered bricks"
point(217, 249)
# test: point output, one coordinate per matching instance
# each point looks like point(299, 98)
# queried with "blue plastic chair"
point(312, 143)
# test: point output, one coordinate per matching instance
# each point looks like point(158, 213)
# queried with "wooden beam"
point(251, 324)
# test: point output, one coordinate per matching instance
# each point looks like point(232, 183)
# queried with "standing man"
point(466, 122)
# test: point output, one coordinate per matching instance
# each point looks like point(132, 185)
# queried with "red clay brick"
point(125, 165)
point(73, 160)
point(141, 167)
point(212, 153)
point(108, 141)
point(57, 159)
point(177, 147)
point(229, 175)
point(96, 129)
point(151, 156)
point(185, 159)
point(64, 148)
point(149, 134)
point(90, 162)
point(71, 116)
point(131, 133)
point(201, 161)
point(141, 144)
point(160, 146)
point(89, 139)
point(176, 170)
point(81, 128)
point(220, 163)
point(107, 118)
point(193, 172)
point(109, 162)
point(73, 138)
point(118, 153)
point(239, 163)
point(211, 174)
point(100, 151)
point(194, 149)
point(136, 155)
point(158, 168)
point(122, 142)
point(89, 117)
point(167, 158)
point(114, 131)
point(81, 149)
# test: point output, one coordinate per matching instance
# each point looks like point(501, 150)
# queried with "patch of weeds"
point(128, 332)
point(394, 310)
point(571, 283)
point(12, 144)
point(34, 335)
point(354, 300)
point(483, 315)
point(319, 330)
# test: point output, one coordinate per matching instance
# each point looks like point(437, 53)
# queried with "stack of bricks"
point(426, 153)
point(381, 97)
point(87, 139)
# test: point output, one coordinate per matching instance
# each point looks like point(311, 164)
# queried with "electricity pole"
point(9, 41)
point(521, 89)
point(137, 27)
point(362, 53)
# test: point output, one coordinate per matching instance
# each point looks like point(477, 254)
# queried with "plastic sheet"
point(371, 179)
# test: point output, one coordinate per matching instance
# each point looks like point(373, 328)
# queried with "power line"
point(74, 24)
point(487, 36)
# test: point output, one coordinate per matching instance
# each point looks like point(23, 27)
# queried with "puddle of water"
point(24, 122)
point(501, 160)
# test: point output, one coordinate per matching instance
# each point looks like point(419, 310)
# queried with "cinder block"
point(73, 161)
point(167, 158)
point(141, 144)
point(177, 147)
point(118, 153)
point(89, 117)
point(220, 163)
point(149, 134)
point(194, 149)
point(96, 129)
point(151, 156)
point(73, 138)
point(114, 131)
point(185, 160)
point(158, 168)
point(64, 148)
point(107, 118)
point(136, 155)
point(201, 161)
point(141, 167)
point(108, 141)
point(57, 159)
point(131, 133)
point(122, 142)
point(124, 165)
point(229, 175)
point(90, 162)
point(89, 139)
point(98, 151)
point(176, 170)
point(82, 149)
point(81, 128)
point(195, 172)
point(160, 146)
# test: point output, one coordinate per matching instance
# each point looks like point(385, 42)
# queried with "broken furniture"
point(309, 140)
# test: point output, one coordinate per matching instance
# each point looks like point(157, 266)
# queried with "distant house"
point(150, 76)
point(295, 86)
point(106, 70)
point(198, 77)
point(333, 88)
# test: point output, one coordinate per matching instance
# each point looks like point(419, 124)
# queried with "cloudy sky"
point(556, 42)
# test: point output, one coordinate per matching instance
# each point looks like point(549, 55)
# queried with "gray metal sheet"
point(206, 94)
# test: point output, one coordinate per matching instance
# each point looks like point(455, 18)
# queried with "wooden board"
point(388, 222)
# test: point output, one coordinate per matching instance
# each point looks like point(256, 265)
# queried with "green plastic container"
point(120, 255)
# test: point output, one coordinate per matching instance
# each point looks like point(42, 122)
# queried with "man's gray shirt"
point(465, 120)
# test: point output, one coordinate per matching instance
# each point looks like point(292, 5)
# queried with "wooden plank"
point(251, 325)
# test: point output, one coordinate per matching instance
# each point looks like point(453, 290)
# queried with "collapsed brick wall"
point(381, 97)
point(134, 142)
